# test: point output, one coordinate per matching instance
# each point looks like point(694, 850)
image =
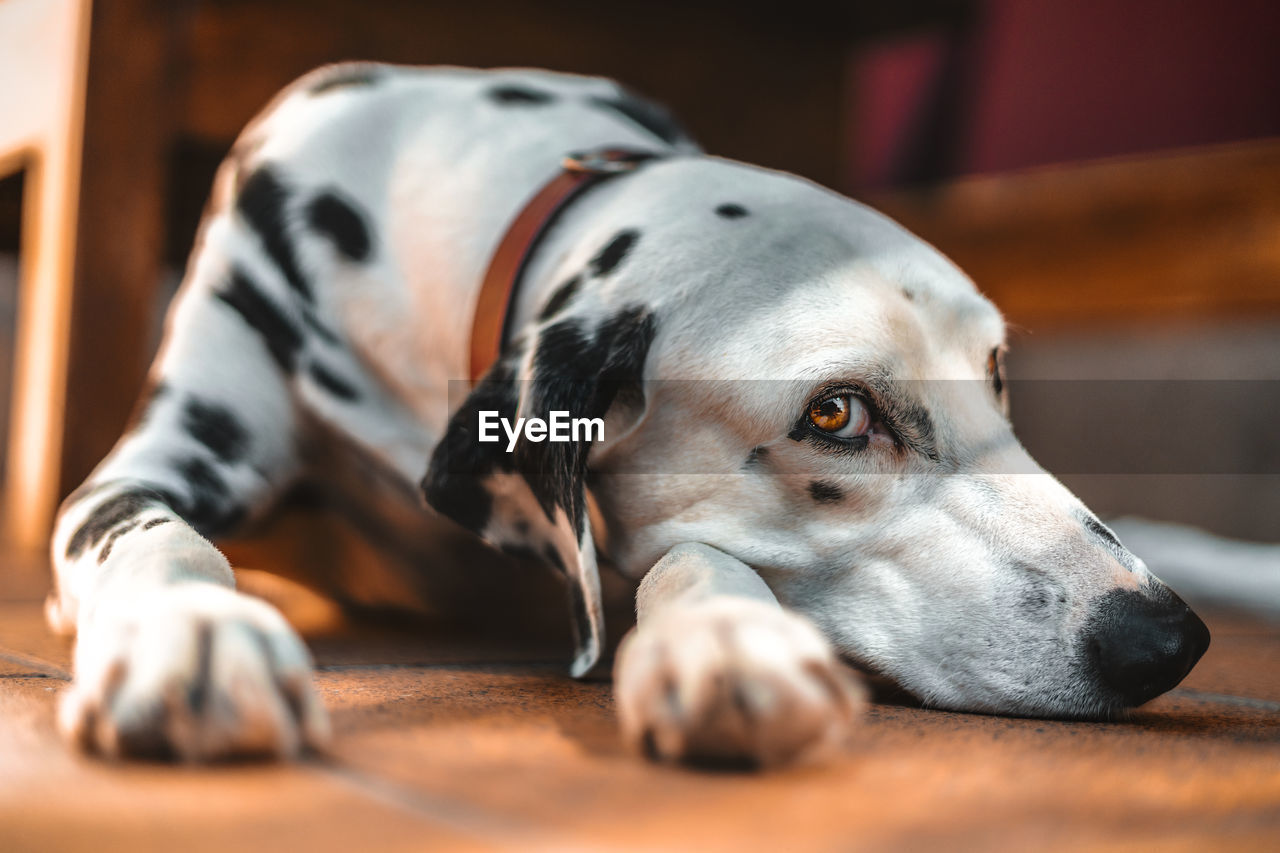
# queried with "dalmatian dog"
point(805, 457)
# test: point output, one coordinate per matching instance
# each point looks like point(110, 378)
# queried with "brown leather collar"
point(578, 173)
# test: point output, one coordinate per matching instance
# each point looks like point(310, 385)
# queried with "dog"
point(804, 457)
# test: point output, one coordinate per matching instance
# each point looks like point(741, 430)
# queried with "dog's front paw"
point(733, 681)
point(196, 671)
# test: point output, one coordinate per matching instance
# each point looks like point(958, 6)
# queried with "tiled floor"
point(464, 755)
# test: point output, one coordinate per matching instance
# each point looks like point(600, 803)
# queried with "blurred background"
point(1108, 171)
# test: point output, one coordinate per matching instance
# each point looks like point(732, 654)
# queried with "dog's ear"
point(532, 501)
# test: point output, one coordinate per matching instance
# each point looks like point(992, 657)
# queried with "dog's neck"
point(563, 238)
point(579, 174)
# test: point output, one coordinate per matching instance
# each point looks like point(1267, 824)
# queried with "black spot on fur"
point(208, 508)
point(1039, 596)
point(756, 456)
point(731, 211)
point(573, 371)
point(111, 540)
point(552, 558)
point(560, 298)
point(217, 428)
point(198, 693)
point(581, 617)
point(647, 115)
point(909, 294)
point(454, 484)
point(563, 380)
point(607, 260)
point(345, 77)
point(459, 496)
point(262, 203)
point(201, 478)
point(825, 493)
point(114, 511)
point(511, 95)
point(317, 325)
point(281, 336)
point(337, 219)
point(624, 342)
point(1035, 601)
point(331, 382)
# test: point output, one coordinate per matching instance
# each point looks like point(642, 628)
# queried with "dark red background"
point(1060, 81)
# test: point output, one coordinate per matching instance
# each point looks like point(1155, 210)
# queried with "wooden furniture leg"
point(132, 86)
point(43, 57)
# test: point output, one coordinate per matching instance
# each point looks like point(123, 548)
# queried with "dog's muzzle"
point(1142, 643)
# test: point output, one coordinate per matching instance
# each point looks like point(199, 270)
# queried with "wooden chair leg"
point(97, 222)
point(52, 157)
point(119, 253)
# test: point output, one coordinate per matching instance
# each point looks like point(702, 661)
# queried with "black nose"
point(1144, 643)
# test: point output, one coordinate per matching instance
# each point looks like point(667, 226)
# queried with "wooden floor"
point(435, 752)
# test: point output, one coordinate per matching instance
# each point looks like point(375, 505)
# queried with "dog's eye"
point(842, 415)
point(995, 370)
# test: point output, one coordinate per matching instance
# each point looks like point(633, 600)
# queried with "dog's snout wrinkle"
point(1142, 644)
point(1101, 534)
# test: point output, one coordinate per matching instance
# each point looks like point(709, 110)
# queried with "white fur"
point(137, 671)
point(733, 678)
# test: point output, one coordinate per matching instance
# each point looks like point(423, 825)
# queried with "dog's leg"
point(169, 658)
point(716, 670)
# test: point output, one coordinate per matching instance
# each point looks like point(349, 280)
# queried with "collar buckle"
point(603, 161)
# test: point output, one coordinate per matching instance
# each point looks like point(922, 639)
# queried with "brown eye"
point(842, 415)
point(994, 372)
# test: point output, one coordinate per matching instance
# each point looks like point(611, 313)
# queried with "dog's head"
point(791, 378)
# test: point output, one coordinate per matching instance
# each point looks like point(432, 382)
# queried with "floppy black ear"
point(532, 501)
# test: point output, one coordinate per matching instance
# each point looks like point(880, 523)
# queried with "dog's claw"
point(733, 682)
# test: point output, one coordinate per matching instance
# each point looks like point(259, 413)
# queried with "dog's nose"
point(1144, 643)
